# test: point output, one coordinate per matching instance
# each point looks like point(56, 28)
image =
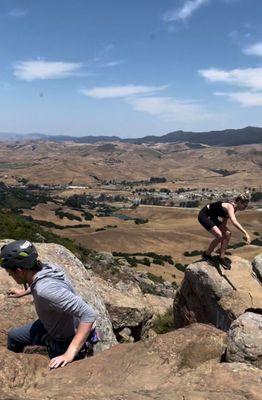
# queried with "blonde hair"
point(243, 198)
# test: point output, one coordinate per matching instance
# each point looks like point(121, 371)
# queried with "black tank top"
point(216, 210)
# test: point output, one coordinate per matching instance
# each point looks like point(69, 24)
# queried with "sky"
point(129, 68)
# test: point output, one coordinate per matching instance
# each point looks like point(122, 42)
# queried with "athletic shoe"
point(225, 262)
point(210, 259)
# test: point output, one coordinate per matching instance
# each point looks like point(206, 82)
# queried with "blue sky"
point(81, 67)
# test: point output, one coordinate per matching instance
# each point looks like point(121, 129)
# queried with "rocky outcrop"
point(16, 312)
point(183, 364)
point(129, 308)
point(214, 296)
point(245, 340)
point(257, 267)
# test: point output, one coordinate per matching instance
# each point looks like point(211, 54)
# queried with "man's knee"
point(14, 341)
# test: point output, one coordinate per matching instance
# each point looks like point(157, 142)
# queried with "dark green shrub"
point(192, 253)
point(88, 216)
point(139, 221)
point(257, 241)
point(155, 278)
point(164, 323)
point(256, 196)
point(181, 267)
point(145, 261)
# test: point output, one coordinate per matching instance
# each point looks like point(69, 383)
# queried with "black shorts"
point(207, 220)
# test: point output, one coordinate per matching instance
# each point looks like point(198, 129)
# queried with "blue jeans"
point(35, 333)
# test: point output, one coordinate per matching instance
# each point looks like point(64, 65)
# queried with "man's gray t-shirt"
point(58, 306)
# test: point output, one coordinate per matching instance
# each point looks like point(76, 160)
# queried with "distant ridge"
point(227, 137)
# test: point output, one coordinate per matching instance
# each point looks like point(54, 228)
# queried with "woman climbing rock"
point(210, 218)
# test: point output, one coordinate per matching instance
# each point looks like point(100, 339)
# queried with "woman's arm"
point(231, 214)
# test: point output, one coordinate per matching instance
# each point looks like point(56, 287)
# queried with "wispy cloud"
point(17, 13)
point(254, 49)
point(185, 12)
point(143, 99)
point(113, 63)
point(40, 69)
point(170, 109)
point(245, 99)
point(249, 77)
point(108, 92)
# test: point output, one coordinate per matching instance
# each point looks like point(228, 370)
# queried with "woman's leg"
point(218, 237)
point(224, 242)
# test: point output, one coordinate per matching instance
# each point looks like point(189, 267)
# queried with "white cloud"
point(184, 12)
point(108, 92)
point(170, 109)
point(17, 13)
point(32, 70)
point(246, 99)
point(114, 63)
point(249, 77)
point(254, 49)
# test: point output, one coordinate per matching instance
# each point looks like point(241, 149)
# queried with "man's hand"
point(16, 293)
point(60, 361)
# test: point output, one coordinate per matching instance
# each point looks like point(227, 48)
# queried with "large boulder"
point(257, 267)
point(129, 307)
point(183, 364)
point(145, 365)
point(245, 340)
point(16, 312)
point(215, 296)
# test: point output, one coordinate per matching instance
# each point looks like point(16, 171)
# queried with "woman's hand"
point(60, 361)
point(16, 293)
point(247, 238)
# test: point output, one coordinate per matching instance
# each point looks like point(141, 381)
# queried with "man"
point(66, 323)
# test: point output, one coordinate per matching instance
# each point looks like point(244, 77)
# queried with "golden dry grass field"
point(170, 231)
point(78, 164)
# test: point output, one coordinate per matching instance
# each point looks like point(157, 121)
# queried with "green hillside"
point(16, 227)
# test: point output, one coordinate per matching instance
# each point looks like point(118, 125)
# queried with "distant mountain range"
point(227, 137)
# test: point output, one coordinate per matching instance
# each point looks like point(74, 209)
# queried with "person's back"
point(216, 209)
point(58, 306)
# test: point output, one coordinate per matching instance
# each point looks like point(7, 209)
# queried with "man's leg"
point(30, 334)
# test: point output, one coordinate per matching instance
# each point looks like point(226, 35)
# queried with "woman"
point(209, 219)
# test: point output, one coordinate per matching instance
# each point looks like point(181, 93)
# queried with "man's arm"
point(16, 293)
point(64, 301)
point(78, 341)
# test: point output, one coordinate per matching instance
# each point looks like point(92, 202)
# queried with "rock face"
point(257, 267)
point(129, 307)
point(16, 312)
point(217, 297)
point(245, 340)
point(183, 364)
